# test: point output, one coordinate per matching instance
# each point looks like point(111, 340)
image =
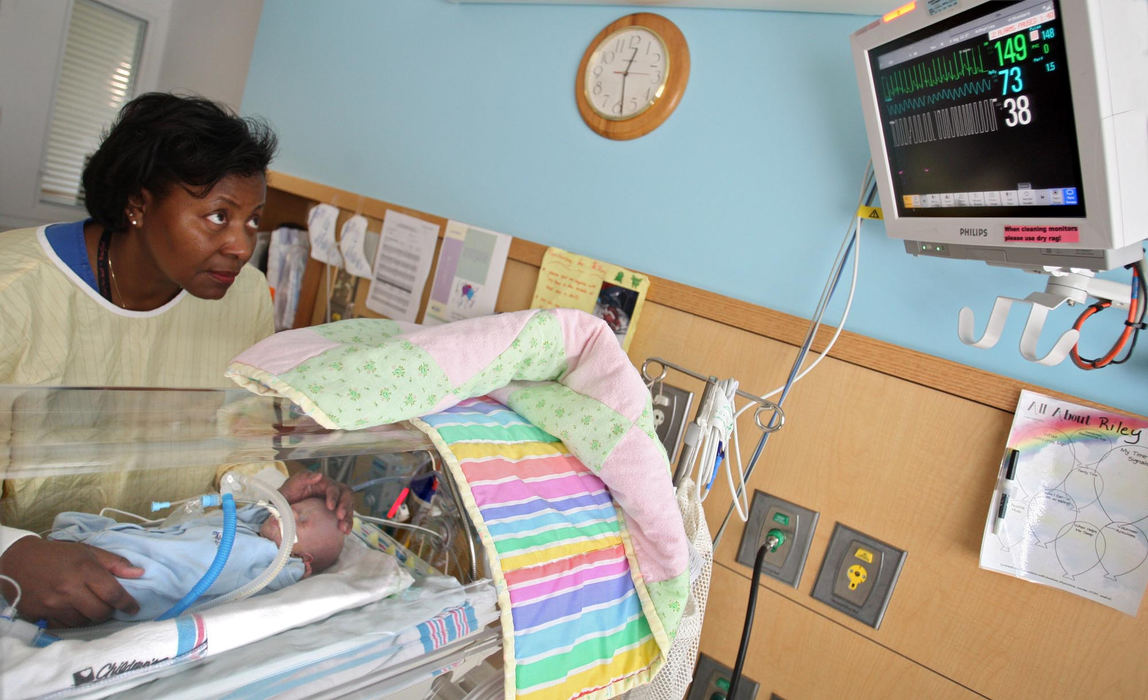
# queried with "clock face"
point(627, 73)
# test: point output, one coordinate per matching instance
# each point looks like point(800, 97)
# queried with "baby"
point(175, 557)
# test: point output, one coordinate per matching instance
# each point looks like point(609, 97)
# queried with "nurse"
point(151, 290)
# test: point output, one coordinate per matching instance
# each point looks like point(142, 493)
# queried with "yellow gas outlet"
point(856, 573)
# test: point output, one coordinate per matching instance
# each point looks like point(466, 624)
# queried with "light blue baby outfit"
point(175, 557)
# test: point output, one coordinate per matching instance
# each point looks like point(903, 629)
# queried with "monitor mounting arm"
point(1071, 286)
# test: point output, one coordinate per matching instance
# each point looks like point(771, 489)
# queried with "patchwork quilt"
point(561, 370)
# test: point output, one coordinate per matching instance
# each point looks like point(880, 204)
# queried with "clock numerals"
point(628, 64)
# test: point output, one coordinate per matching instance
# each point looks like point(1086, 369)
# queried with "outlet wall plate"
point(858, 574)
point(706, 676)
point(671, 413)
point(797, 523)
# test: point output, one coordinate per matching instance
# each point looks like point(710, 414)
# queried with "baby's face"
point(317, 535)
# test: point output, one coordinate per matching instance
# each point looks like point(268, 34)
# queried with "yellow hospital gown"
point(55, 329)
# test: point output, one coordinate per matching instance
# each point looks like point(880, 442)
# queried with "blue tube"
point(221, 555)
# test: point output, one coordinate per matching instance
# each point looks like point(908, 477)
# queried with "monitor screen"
point(977, 114)
point(1010, 131)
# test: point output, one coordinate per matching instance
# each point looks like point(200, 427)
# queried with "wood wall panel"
point(889, 441)
point(799, 653)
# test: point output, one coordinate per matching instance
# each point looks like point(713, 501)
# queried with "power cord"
point(1132, 326)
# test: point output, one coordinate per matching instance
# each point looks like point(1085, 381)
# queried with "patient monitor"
point(1013, 132)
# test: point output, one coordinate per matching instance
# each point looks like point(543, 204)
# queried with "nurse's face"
point(201, 243)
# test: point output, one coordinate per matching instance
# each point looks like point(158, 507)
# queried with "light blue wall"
point(467, 111)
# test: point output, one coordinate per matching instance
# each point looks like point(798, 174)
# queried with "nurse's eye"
point(217, 217)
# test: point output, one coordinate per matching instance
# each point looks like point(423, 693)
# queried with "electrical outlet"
point(671, 413)
point(858, 575)
point(711, 680)
point(790, 523)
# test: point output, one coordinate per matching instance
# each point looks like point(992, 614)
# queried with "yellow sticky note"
point(570, 281)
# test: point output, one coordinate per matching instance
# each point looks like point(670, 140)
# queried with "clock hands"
point(625, 74)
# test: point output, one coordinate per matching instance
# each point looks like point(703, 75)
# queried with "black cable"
point(735, 677)
point(1131, 347)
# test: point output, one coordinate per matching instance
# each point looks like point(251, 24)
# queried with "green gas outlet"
point(788, 530)
point(712, 680)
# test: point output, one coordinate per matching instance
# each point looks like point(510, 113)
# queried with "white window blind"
point(97, 76)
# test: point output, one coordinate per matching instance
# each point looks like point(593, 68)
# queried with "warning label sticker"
point(1041, 234)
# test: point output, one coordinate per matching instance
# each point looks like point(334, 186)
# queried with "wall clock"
point(632, 76)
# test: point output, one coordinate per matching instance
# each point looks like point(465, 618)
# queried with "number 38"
point(1018, 110)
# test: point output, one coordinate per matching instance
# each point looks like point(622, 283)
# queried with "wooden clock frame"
point(677, 74)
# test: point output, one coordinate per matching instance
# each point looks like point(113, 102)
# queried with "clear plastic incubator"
point(406, 610)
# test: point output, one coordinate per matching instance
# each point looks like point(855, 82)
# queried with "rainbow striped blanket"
point(564, 372)
point(572, 617)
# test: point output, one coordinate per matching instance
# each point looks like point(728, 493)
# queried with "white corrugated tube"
point(250, 489)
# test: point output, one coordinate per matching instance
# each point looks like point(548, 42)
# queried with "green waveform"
point(925, 75)
point(973, 87)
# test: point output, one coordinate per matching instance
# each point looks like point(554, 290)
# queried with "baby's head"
point(318, 539)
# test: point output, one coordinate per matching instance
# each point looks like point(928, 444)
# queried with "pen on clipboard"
point(1004, 485)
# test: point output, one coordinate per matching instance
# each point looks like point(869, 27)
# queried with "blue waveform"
point(972, 87)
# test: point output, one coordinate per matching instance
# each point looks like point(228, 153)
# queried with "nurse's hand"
point(313, 484)
point(67, 583)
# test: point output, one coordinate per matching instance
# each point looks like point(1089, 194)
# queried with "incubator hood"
point(54, 431)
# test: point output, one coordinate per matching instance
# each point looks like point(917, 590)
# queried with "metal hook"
point(1041, 303)
point(777, 413)
point(762, 403)
point(648, 379)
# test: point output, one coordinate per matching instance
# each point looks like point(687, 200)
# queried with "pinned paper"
point(351, 241)
point(612, 293)
point(402, 264)
point(321, 227)
point(469, 273)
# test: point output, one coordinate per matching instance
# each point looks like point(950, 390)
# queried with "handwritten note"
point(614, 294)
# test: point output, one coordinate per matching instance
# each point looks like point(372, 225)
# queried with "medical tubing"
point(10, 611)
point(747, 629)
point(221, 554)
point(836, 277)
point(251, 488)
point(866, 195)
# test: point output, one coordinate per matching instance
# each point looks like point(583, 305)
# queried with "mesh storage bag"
point(675, 677)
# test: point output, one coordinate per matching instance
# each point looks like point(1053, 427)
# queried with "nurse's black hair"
point(161, 140)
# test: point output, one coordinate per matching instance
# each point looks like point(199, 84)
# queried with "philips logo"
point(975, 232)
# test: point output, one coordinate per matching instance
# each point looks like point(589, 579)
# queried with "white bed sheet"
point(373, 642)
